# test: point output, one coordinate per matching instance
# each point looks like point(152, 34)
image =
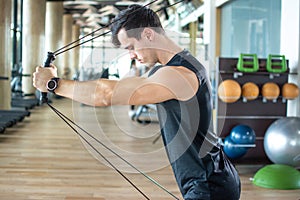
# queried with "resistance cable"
point(44, 99)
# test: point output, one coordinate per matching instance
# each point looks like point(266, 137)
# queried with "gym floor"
point(42, 158)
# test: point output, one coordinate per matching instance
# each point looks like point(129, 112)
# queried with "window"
point(250, 26)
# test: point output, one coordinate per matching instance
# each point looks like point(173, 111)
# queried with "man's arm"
point(167, 83)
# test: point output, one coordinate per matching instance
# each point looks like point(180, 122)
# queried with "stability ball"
point(229, 91)
point(250, 91)
point(242, 134)
point(290, 91)
point(270, 91)
point(232, 150)
point(282, 141)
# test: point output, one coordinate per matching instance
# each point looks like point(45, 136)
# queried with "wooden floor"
point(41, 158)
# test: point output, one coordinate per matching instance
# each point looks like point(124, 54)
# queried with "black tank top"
point(186, 126)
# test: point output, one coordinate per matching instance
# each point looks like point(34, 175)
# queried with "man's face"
point(140, 50)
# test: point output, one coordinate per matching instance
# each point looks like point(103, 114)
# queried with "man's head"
point(135, 17)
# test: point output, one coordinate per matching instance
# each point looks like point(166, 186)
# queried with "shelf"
point(279, 99)
point(249, 117)
point(237, 74)
point(256, 73)
point(4, 78)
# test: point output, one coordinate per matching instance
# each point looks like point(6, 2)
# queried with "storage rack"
point(259, 114)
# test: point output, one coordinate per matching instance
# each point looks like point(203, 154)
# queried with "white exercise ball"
point(282, 141)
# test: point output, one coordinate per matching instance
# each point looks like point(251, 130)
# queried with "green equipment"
point(247, 63)
point(277, 176)
point(276, 63)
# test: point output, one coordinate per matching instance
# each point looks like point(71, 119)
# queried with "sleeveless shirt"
point(192, 147)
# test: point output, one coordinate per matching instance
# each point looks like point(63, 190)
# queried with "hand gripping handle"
point(49, 60)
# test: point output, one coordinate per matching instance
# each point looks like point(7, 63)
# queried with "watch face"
point(51, 85)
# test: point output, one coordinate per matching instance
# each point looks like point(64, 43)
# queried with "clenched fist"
point(42, 75)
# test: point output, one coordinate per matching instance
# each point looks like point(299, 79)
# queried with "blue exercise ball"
point(233, 150)
point(242, 134)
point(282, 141)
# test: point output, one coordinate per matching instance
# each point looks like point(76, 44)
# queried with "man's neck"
point(168, 50)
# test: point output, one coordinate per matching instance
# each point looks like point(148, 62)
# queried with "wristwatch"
point(52, 84)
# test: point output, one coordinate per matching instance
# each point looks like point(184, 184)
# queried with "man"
point(181, 90)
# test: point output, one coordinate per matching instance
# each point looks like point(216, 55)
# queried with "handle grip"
point(49, 60)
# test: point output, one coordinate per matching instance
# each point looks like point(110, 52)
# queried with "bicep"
point(167, 83)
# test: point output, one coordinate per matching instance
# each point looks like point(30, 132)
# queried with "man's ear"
point(148, 34)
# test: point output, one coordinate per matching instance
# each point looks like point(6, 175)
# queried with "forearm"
point(94, 93)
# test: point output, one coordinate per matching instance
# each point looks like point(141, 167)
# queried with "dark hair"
point(134, 17)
